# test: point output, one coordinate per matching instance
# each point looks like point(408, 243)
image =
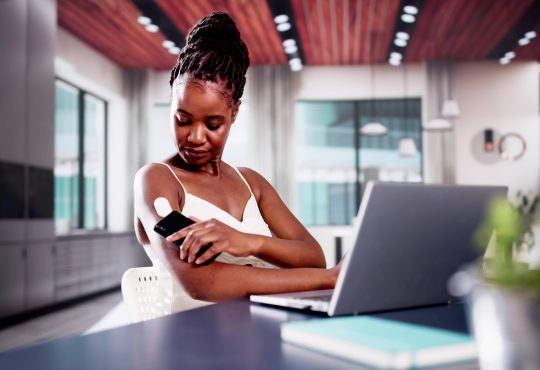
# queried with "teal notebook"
point(381, 343)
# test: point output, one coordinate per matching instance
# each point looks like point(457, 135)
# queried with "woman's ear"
point(236, 107)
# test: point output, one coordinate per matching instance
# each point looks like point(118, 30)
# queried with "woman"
point(237, 210)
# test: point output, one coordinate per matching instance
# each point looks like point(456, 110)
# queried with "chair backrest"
point(147, 293)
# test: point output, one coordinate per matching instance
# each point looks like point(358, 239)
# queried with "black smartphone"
point(175, 221)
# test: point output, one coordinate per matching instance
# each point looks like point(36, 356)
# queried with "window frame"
point(357, 139)
point(81, 94)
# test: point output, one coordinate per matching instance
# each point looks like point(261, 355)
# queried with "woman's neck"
point(213, 167)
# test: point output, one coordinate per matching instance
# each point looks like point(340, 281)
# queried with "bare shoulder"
point(256, 181)
point(155, 180)
point(152, 172)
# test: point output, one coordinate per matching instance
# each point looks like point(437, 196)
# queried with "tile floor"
point(102, 313)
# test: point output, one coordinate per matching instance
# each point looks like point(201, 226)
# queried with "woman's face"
point(202, 113)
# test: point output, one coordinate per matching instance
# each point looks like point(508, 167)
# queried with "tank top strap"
point(175, 176)
point(243, 179)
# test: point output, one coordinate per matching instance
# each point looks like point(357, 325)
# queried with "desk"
point(231, 335)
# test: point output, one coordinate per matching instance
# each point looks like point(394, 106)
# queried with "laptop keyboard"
point(321, 298)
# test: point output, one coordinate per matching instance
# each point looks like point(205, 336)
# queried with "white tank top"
point(252, 222)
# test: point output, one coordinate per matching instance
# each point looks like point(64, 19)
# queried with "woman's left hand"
point(222, 238)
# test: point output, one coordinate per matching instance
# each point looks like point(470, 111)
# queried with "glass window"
point(80, 164)
point(334, 160)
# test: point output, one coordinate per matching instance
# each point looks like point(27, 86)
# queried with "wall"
point(506, 99)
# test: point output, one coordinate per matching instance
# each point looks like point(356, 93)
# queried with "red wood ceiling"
point(332, 32)
point(252, 17)
point(463, 29)
point(111, 27)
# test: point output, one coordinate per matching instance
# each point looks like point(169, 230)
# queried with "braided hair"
point(214, 50)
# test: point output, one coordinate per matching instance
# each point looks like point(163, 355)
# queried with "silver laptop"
point(409, 239)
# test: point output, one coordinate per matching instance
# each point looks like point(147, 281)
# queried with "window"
point(334, 160)
point(80, 159)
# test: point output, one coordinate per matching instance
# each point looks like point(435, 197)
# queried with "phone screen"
point(175, 221)
point(171, 223)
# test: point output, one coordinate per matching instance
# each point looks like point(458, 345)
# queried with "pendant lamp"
point(407, 145)
point(373, 128)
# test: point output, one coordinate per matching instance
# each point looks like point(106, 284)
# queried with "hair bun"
point(214, 49)
point(217, 27)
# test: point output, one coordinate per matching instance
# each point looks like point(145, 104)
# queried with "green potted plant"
point(502, 291)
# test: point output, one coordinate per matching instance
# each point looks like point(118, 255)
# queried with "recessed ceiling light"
point(395, 62)
point(396, 55)
point(289, 42)
point(144, 20)
point(530, 35)
point(174, 50)
point(282, 18)
point(167, 44)
point(282, 27)
point(400, 42)
point(524, 41)
point(504, 61)
point(295, 61)
point(291, 49)
point(402, 35)
point(296, 67)
point(510, 55)
point(410, 9)
point(408, 18)
point(152, 28)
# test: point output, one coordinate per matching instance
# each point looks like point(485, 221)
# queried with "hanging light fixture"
point(449, 107)
point(407, 145)
point(373, 128)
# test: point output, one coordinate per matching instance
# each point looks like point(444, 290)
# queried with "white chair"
point(147, 293)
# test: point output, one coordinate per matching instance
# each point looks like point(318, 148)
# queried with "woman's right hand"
point(222, 237)
point(334, 271)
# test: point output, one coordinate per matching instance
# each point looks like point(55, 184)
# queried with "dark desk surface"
point(231, 335)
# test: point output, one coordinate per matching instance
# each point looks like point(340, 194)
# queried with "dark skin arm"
point(292, 246)
point(217, 281)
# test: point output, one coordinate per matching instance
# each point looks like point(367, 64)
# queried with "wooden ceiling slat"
point(343, 26)
point(512, 16)
point(428, 10)
point(252, 33)
point(465, 9)
point(476, 44)
point(335, 13)
point(356, 8)
point(136, 37)
point(369, 32)
point(176, 15)
point(104, 19)
point(386, 20)
point(249, 17)
point(265, 17)
point(70, 19)
point(103, 33)
point(324, 31)
point(465, 44)
point(304, 35)
point(316, 28)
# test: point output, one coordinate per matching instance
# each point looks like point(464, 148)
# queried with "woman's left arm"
point(293, 245)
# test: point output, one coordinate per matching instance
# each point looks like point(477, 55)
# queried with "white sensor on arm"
point(162, 206)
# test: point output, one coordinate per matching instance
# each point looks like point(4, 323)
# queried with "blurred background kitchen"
point(340, 92)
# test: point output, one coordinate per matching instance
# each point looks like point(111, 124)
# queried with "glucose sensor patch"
point(162, 206)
